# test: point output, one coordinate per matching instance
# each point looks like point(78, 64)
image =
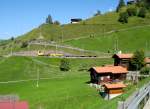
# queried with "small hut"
point(113, 90)
point(76, 20)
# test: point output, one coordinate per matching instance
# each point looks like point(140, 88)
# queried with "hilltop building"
point(130, 2)
point(76, 20)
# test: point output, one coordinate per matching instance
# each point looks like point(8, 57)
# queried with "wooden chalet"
point(113, 90)
point(125, 60)
point(77, 20)
point(108, 74)
point(122, 60)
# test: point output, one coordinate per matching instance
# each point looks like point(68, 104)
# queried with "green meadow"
point(59, 90)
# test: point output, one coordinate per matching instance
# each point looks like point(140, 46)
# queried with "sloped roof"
point(123, 56)
point(115, 86)
point(14, 105)
point(111, 69)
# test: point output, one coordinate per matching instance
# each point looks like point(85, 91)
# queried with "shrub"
point(24, 44)
point(64, 65)
point(132, 11)
point(57, 22)
point(123, 17)
point(145, 71)
point(137, 60)
point(142, 12)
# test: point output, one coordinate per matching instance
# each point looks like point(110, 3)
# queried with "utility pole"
point(103, 29)
point(11, 49)
point(117, 48)
point(56, 48)
point(38, 78)
point(62, 35)
point(116, 42)
point(146, 49)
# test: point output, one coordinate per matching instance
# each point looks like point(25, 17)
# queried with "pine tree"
point(142, 12)
point(147, 3)
point(57, 22)
point(49, 20)
point(120, 5)
point(123, 17)
point(138, 60)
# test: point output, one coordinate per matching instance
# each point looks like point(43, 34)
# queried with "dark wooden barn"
point(123, 60)
point(77, 20)
point(131, 2)
point(108, 74)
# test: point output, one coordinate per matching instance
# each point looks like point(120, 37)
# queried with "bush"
point(97, 13)
point(137, 60)
point(57, 22)
point(132, 11)
point(123, 17)
point(145, 71)
point(24, 44)
point(142, 12)
point(64, 65)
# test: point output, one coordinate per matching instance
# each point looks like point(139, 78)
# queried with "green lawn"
point(128, 41)
point(63, 90)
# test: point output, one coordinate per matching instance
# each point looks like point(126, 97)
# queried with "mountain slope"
point(127, 40)
point(88, 34)
point(93, 26)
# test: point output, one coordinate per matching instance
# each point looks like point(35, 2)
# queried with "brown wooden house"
point(113, 90)
point(123, 60)
point(107, 74)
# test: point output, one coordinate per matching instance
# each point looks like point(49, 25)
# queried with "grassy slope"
point(93, 26)
point(26, 67)
point(128, 41)
point(69, 91)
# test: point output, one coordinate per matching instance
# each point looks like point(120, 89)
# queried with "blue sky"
point(20, 16)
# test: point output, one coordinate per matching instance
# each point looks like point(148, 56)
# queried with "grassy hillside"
point(92, 26)
point(127, 40)
point(91, 34)
point(63, 90)
point(26, 67)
